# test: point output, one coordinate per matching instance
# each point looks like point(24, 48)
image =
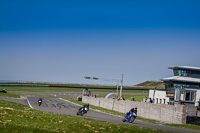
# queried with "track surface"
point(64, 107)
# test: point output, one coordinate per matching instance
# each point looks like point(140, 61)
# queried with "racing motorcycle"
point(40, 101)
point(82, 111)
point(130, 117)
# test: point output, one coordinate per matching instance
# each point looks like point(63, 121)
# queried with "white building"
point(159, 96)
point(182, 88)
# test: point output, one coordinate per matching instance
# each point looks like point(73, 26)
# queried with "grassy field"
point(10, 95)
point(89, 86)
point(61, 89)
point(138, 97)
point(39, 89)
point(17, 118)
point(152, 84)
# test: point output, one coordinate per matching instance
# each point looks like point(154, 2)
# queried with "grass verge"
point(10, 95)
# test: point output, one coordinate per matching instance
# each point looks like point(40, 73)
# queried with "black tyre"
point(132, 120)
point(81, 114)
point(124, 119)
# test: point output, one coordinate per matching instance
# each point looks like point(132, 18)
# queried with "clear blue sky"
point(63, 41)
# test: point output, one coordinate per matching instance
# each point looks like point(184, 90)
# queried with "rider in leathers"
point(85, 106)
point(133, 110)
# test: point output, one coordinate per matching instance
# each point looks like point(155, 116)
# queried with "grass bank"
point(10, 95)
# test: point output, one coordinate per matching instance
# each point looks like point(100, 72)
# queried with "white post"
point(121, 85)
point(117, 86)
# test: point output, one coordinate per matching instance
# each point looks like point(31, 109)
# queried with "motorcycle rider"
point(132, 110)
point(135, 111)
point(84, 107)
point(40, 101)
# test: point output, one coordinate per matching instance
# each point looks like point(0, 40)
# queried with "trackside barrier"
point(165, 113)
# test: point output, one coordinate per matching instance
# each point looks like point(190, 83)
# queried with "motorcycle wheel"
point(132, 119)
point(77, 113)
point(82, 113)
point(124, 119)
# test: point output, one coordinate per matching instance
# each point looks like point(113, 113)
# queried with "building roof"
point(182, 79)
point(186, 68)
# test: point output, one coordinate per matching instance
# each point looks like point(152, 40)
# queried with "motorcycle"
point(82, 111)
point(130, 117)
point(39, 101)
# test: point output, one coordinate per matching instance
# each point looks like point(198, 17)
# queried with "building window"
point(184, 73)
point(190, 96)
point(177, 94)
point(183, 86)
point(187, 96)
point(168, 85)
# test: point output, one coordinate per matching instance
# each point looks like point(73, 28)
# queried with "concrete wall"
point(165, 113)
point(191, 111)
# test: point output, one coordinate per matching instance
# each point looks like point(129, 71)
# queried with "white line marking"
point(29, 103)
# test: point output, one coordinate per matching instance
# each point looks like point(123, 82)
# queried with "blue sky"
point(63, 41)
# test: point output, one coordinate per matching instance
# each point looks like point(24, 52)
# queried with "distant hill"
point(152, 84)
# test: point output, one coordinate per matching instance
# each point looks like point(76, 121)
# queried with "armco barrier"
point(165, 113)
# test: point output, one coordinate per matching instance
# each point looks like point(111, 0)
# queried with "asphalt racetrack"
point(61, 106)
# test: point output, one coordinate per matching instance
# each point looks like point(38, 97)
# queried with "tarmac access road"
point(65, 107)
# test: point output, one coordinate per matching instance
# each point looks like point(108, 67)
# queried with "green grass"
point(124, 91)
point(152, 84)
point(10, 95)
point(186, 126)
point(13, 95)
point(17, 118)
point(62, 89)
point(138, 97)
point(89, 86)
point(39, 89)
